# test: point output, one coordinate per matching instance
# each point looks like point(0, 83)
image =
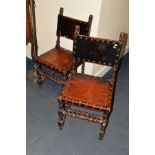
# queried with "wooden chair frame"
point(31, 36)
point(62, 31)
point(66, 104)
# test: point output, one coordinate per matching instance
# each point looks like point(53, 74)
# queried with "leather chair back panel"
point(100, 51)
point(66, 27)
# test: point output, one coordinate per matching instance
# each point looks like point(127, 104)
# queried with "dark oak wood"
point(58, 58)
point(31, 28)
point(28, 25)
point(86, 91)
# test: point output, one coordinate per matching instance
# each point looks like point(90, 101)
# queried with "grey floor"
point(78, 137)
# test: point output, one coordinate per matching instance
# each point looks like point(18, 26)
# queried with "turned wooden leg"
point(62, 117)
point(32, 75)
point(101, 132)
point(103, 126)
point(39, 78)
point(65, 76)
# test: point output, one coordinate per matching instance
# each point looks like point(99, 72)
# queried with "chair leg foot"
point(32, 76)
point(40, 80)
point(60, 125)
point(103, 128)
point(61, 121)
point(40, 83)
point(35, 77)
point(101, 133)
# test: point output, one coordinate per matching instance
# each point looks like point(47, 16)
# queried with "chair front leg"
point(62, 117)
point(40, 78)
point(103, 126)
point(65, 76)
point(33, 74)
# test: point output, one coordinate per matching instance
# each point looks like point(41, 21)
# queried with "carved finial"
point(90, 18)
point(61, 11)
point(90, 23)
point(123, 38)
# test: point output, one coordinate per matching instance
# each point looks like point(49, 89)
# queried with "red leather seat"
point(57, 58)
point(88, 91)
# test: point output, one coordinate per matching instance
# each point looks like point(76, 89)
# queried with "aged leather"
point(57, 58)
point(66, 27)
point(88, 91)
point(102, 51)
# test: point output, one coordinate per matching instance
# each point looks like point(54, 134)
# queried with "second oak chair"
point(59, 59)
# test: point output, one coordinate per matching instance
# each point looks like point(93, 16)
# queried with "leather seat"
point(58, 58)
point(87, 91)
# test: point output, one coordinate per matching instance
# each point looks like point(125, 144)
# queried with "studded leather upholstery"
point(66, 27)
point(87, 91)
point(96, 50)
point(57, 58)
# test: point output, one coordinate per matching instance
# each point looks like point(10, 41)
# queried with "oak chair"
point(59, 59)
point(86, 91)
